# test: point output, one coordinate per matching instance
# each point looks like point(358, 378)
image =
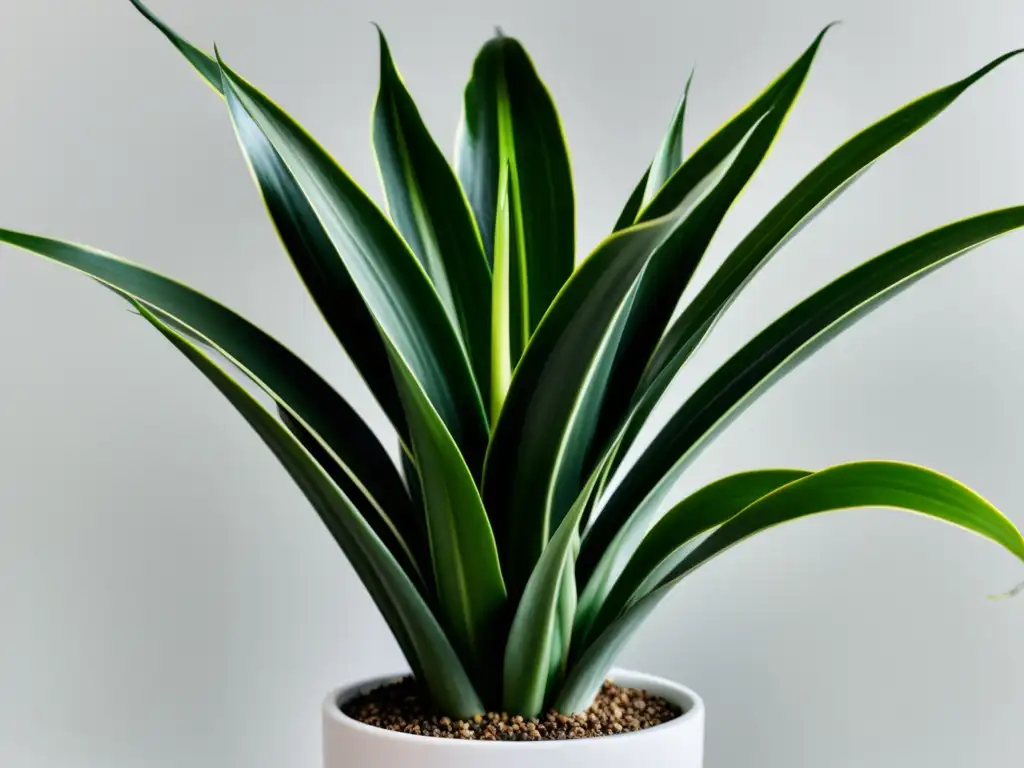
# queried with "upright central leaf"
point(429, 209)
point(510, 120)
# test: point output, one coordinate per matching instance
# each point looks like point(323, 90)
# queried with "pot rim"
point(679, 695)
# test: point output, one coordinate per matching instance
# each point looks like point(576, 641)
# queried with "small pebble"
point(399, 707)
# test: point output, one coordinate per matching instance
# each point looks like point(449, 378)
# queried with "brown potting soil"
point(400, 707)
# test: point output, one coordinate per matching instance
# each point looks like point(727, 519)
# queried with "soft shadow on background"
point(166, 596)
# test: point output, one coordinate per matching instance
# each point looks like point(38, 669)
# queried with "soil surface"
point(399, 707)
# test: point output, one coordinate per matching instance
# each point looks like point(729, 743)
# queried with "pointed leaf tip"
point(380, 35)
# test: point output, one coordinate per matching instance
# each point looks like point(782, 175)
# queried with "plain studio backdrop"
point(167, 597)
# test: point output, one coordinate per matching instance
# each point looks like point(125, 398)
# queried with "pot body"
point(676, 744)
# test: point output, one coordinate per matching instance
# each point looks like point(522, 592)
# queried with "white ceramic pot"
point(676, 744)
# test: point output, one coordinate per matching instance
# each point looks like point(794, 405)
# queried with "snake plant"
point(511, 547)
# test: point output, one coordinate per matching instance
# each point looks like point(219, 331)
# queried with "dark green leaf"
point(272, 366)
point(534, 654)
point(774, 352)
point(478, 161)
point(509, 118)
point(428, 207)
point(409, 550)
point(309, 247)
point(387, 274)
point(861, 484)
point(422, 639)
point(204, 64)
point(470, 590)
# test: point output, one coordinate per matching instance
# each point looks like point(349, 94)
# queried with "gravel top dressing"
point(400, 707)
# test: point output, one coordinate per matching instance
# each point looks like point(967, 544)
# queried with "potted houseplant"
point(514, 549)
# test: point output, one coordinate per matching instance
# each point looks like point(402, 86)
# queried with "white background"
point(166, 596)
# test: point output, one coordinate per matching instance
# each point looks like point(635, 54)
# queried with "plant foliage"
point(510, 549)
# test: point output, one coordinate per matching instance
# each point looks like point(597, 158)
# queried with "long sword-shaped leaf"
point(775, 351)
point(529, 660)
point(428, 207)
point(565, 618)
point(666, 543)
point(808, 198)
point(309, 247)
point(470, 590)
point(509, 117)
point(271, 366)
point(423, 640)
point(862, 484)
point(527, 446)
point(392, 282)
point(704, 188)
point(670, 154)
point(478, 161)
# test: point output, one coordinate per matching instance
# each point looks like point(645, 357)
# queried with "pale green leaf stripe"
point(501, 298)
point(309, 247)
point(390, 279)
point(527, 443)
point(517, 303)
point(427, 205)
point(778, 349)
point(670, 153)
point(423, 640)
point(270, 365)
point(861, 484)
point(665, 544)
point(808, 198)
point(470, 590)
